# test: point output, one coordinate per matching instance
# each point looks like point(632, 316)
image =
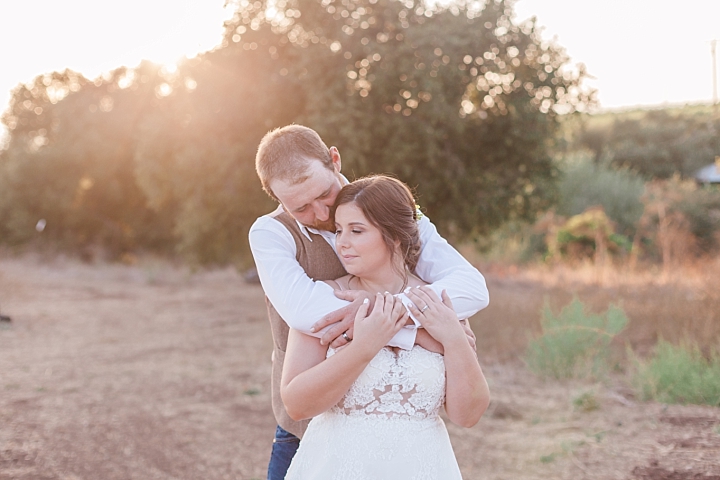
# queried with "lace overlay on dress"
point(410, 384)
point(386, 427)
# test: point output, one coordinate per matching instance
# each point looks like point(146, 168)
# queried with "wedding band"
point(424, 308)
point(345, 336)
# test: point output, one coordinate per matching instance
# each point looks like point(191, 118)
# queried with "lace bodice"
point(408, 384)
point(385, 428)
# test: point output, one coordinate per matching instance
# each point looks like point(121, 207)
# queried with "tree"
point(460, 103)
point(457, 101)
point(655, 143)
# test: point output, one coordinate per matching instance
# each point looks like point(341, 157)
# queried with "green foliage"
point(582, 187)
point(586, 234)
point(449, 105)
point(548, 458)
point(574, 343)
point(70, 162)
point(701, 207)
point(655, 143)
point(586, 402)
point(460, 102)
point(680, 221)
point(585, 184)
point(566, 448)
point(513, 242)
point(680, 374)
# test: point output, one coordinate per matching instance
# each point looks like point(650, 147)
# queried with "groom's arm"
point(445, 269)
point(298, 299)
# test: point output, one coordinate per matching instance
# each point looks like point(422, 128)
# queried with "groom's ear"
point(335, 156)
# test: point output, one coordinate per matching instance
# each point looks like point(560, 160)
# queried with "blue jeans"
point(284, 447)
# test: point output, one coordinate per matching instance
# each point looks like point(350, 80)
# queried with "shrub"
point(586, 184)
point(680, 220)
point(574, 343)
point(586, 402)
point(679, 374)
point(655, 143)
point(514, 241)
point(702, 209)
point(589, 234)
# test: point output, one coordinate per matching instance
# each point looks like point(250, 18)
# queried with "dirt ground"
point(153, 372)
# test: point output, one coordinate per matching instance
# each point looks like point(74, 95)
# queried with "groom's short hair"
point(286, 152)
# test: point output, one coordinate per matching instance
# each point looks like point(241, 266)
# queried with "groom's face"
point(310, 201)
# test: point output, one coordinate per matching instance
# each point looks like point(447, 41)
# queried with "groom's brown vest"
point(320, 262)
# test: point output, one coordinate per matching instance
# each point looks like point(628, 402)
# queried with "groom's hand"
point(425, 340)
point(472, 340)
point(343, 318)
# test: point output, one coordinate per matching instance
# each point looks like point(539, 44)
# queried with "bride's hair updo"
point(389, 205)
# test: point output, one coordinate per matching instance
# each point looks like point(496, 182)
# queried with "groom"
point(293, 248)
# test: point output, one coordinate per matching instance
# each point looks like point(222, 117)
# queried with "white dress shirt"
point(301, 302)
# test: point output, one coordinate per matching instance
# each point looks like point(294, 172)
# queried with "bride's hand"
point(374, 330)
point(436, 316)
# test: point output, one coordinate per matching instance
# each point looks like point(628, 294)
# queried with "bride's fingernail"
point(366, 301)
point(407, 290)
point(312, 329)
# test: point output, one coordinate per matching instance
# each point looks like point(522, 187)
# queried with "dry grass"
point(152, 371)
point(682, 306)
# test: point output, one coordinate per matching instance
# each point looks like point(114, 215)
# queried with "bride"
point(375, 408)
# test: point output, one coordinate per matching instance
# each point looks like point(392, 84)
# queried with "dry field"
point(153, 372)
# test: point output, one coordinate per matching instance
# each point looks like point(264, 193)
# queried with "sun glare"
point(78, 35)
point(626, 48)
point(634, 48)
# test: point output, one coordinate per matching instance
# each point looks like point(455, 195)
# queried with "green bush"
point(702, 209)
point(586, 402)
point(585, 184)
point(587, 234)
point(514, 241)
point(458, 100)
point(679, 374)
point(681, 220)
point(574, 343)
point(654, 143)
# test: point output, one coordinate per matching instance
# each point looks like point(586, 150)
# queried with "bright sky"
point(95, 36)
point(641, 52)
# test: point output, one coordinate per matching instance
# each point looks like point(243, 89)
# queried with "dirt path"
point(145, 372)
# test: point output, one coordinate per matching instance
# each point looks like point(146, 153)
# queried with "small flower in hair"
point(418, 212)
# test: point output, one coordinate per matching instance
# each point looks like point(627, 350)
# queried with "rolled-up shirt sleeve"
point(301, 302)
point(445, 269)
point(298, 299)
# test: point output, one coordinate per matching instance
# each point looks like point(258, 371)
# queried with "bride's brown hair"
point(389, 205)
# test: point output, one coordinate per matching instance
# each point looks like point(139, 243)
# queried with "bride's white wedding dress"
point(386, 427)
